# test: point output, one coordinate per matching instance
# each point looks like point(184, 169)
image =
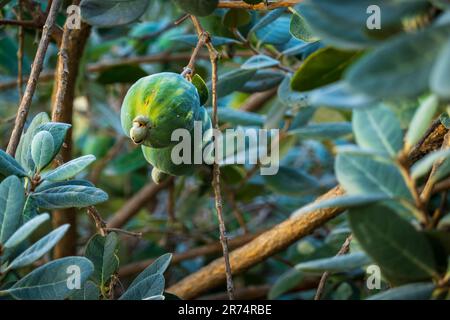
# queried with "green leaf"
point(238, 117)
point(363, 174)
point(403, 253)
point(440, 79)
point(232, 81)
point(89, 292)
point(157, 297)
point(42, 148)
point(291, 181)
point(201, 87)
point(399, 68)
point(339, 95)
point(69, 169)
point(286, 282)
point(150, 286)
point(23, 153)
point(235, 18)
point(323, 67)
point(421, 120)
point(325, 130)
point(102, 251)
point(50, 281)
point(69, 197)
point(263, 80)
point(342, 202)
point(103, 13)
point(192, 39)
point(121, 74)
point(343, 24)
point(289, 97)
point(378, 129)
point(276, 33)
point(198, 7)
point(260, 61)
point(26, 230)
point(9, 166)
point(58, 132)
point(424, 165)
point(127, 162)
point(38, 249)
point(270, 17)
point(30, 209)
point(412, 291)
point(341, 263)
point(159, 266)
point(48, 185)
point(12, 200)
point(301, 29)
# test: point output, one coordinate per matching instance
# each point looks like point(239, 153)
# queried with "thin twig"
point(125, 232)
point(20, 35)
point(23, 23)
point(58, 106)
point(96, 172)
point(105, 65)
point(147, 194)
point(429, 185)
point(25, 103)
point(100, 224)
point(189, 70)
point(344, 249)
point(214, 57)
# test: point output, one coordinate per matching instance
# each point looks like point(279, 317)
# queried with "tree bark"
point(71, 51)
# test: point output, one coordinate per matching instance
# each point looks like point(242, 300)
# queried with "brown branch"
point(206, 250)
point(260, 6)
point(70, 53)
point(105, 65)
point(214, 57)
point(256, 101)
point(36, 69)
point(279, 237)
point(190, 68)
point(100, 224)
point(429, 185)
point(20, 36)
point(344, 249)
point(97, 170)
point(132, 207)
point(27, 23)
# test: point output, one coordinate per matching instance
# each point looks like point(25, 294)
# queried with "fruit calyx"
point(140, 129)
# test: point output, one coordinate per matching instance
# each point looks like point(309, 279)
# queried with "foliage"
point(353, 105)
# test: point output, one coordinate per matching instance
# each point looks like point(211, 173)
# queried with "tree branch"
point(206, 250)
point(36, 69)
point(132, 207)
point(70, 53)
point(344, 249)
point(279, 237)
point(104, 65)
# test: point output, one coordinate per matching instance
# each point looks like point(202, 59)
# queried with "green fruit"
point(157, 105)
point(160, 158)
point(158, 176)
